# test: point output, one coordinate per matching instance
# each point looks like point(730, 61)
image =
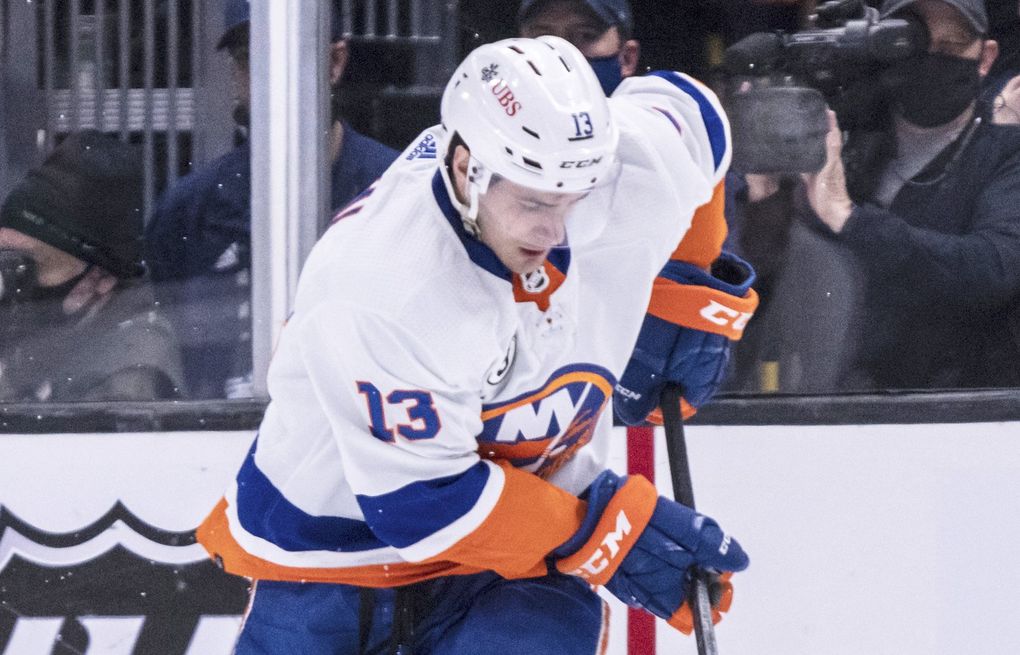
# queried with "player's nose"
point(550, 230)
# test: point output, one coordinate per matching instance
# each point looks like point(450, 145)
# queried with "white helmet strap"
point(479, 178)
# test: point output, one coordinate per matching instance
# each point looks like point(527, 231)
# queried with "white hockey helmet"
point(531, 111)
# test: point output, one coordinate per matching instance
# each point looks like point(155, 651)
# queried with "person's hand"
point(645, 548)
point(1006, 108)
point(96, 285)
point(826, 189)
point(761, 186)
point(693, 320)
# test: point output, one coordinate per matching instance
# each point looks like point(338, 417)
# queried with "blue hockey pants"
point(457, 615)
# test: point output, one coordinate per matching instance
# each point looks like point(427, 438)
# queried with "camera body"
point(780, 83)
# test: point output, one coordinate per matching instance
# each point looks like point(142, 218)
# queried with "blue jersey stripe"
point(265, 513)
point(420, 509)
point(713, 121)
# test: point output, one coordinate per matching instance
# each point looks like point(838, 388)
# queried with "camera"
point(779, 84)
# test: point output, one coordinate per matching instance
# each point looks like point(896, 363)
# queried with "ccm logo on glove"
point(644, 548)
point(719, 314)
point(609, 549)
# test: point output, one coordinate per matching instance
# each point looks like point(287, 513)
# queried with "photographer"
point(923, 225)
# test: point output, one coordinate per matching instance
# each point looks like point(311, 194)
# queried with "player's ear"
point(461, 160)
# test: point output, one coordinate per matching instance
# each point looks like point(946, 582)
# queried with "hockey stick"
point(683, 493)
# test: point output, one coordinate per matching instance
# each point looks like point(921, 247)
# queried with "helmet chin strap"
point(478, 180)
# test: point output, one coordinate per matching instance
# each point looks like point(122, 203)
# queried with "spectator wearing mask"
point(601, 29)
point(78, 320)
point(927, 222)
point(199, 237)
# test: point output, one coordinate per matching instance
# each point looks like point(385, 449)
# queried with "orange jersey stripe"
point(703, 242)
point(214, 535)
point(530, 519)
point(518, 450)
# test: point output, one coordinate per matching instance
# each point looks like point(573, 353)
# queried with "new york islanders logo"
point(539, 431)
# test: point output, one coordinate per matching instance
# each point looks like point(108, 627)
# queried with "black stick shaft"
point(683, 492)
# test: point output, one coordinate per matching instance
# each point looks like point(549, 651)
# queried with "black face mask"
point(934, 88)
point(24, 304)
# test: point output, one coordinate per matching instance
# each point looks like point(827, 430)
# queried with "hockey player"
point(439, 395)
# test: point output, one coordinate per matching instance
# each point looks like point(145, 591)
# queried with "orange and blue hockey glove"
point(644, 548)
point(693, 320)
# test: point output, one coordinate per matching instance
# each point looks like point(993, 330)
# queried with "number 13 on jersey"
point(422, 420)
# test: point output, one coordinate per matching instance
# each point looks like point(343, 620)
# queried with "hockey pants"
point(458, 615)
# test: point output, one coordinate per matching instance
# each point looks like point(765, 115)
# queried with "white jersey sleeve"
point(674, 151)
point(690, 124)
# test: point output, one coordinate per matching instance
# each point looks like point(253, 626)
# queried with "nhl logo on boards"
point(536, 281)
point(117, 586)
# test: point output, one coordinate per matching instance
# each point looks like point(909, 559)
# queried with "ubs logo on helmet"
point(506, 98)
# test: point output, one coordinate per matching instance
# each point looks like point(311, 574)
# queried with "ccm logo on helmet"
point(580, 163)
point(506, 98)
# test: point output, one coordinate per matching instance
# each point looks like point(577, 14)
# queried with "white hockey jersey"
point(434, 414)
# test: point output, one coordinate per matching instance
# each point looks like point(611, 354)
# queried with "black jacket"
point(925, 294)
point(943, 269)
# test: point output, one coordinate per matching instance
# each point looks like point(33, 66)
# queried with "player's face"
point(521, 225)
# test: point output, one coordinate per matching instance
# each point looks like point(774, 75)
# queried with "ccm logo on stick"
point(609, 548)
point(720, 314)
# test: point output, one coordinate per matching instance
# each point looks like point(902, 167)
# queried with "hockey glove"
point(644, 547)
point(693, 320)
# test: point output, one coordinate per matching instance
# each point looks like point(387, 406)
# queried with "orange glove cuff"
point(702, 308)
point(618, 529)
